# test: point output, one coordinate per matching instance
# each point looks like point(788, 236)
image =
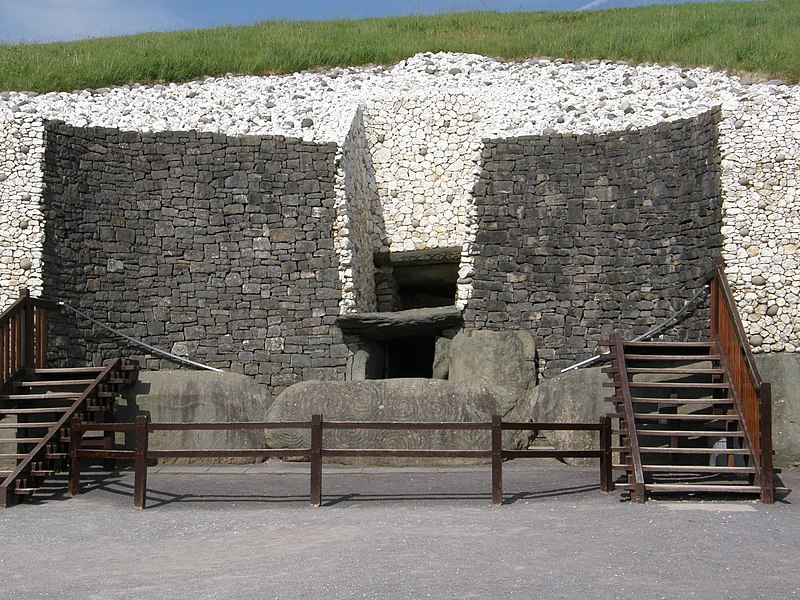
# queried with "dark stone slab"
point(403, 323)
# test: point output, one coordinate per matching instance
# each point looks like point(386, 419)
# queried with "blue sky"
point(61, 20)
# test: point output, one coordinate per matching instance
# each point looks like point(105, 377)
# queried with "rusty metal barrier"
point(316, 452)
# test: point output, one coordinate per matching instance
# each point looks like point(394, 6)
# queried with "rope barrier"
point(153, 349)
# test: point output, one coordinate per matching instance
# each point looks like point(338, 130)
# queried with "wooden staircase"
point(37, 404)
point(693, 416)
point(674, 405)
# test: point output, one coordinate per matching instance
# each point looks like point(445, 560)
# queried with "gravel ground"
point(234, 532)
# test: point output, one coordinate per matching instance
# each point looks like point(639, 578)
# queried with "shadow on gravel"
point(564, 491)
point(444, 496)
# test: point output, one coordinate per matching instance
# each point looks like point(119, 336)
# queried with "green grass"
point(740, 37)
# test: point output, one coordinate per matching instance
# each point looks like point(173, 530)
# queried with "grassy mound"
point(740, 37)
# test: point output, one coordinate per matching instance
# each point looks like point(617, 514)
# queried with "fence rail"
point(315, 453)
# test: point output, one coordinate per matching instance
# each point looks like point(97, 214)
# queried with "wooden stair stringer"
point(634, 459)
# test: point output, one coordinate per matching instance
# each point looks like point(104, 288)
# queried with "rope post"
point(497, 460)
point(316, 460)
point(140, 463)
point(74, 486)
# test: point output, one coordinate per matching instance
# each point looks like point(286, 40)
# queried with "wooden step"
point(673, 401)
point(696, 469)
point(669, 385)
point(692, 487)
point(676, 417)
point(41, 472)
point(42, 425)
point(45, 396)
point(672, 357)
point(675, 371)
point(681, 433)
point(669, 450)
point(688, 345)
point(55, 383)
point(33, 411)
point(680, 385)
point(66, 370)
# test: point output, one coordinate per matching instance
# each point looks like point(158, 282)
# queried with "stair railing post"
point(74, 487)
point(714, 299)
point(316, 460)
point(497, 460)
point(765, 459)
point(635, 472)
point(28, 330)
point(605, 458)
point(140, 463)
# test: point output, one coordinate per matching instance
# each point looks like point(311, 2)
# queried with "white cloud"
point(56, 20)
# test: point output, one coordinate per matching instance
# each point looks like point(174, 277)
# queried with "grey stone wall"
point(579, 235)
point(214, 247)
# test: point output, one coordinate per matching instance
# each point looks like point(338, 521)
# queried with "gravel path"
point(393, 533)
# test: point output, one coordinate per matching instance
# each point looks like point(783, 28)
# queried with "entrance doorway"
point(410, 357)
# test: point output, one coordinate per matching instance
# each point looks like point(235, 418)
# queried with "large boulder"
point(385, 400)
point(503, 361)
point(197, 396)
point(782, 370)
point(574, 396)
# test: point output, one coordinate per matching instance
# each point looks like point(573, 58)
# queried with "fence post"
point(605, 458)
point(316, 460)
point(497, 460)
point(140, 463)
point(74, 487)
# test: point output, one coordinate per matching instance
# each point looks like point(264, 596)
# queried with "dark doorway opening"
point(426, 285)
point(410, 357)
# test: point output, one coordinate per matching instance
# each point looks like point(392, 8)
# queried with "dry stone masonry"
point(233, 219)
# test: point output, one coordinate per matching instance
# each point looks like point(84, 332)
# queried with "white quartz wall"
point(760, 141)
point(21, 222)
point(407, 169)
point(425, 151)
point(355, 194)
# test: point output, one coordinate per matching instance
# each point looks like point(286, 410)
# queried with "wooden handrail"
point(752, 395)
point(23, 335)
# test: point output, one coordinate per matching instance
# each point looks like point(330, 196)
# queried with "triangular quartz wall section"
point(356, 193)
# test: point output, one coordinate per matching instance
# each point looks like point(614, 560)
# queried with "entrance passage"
point(410, 357)
point(397, 344)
